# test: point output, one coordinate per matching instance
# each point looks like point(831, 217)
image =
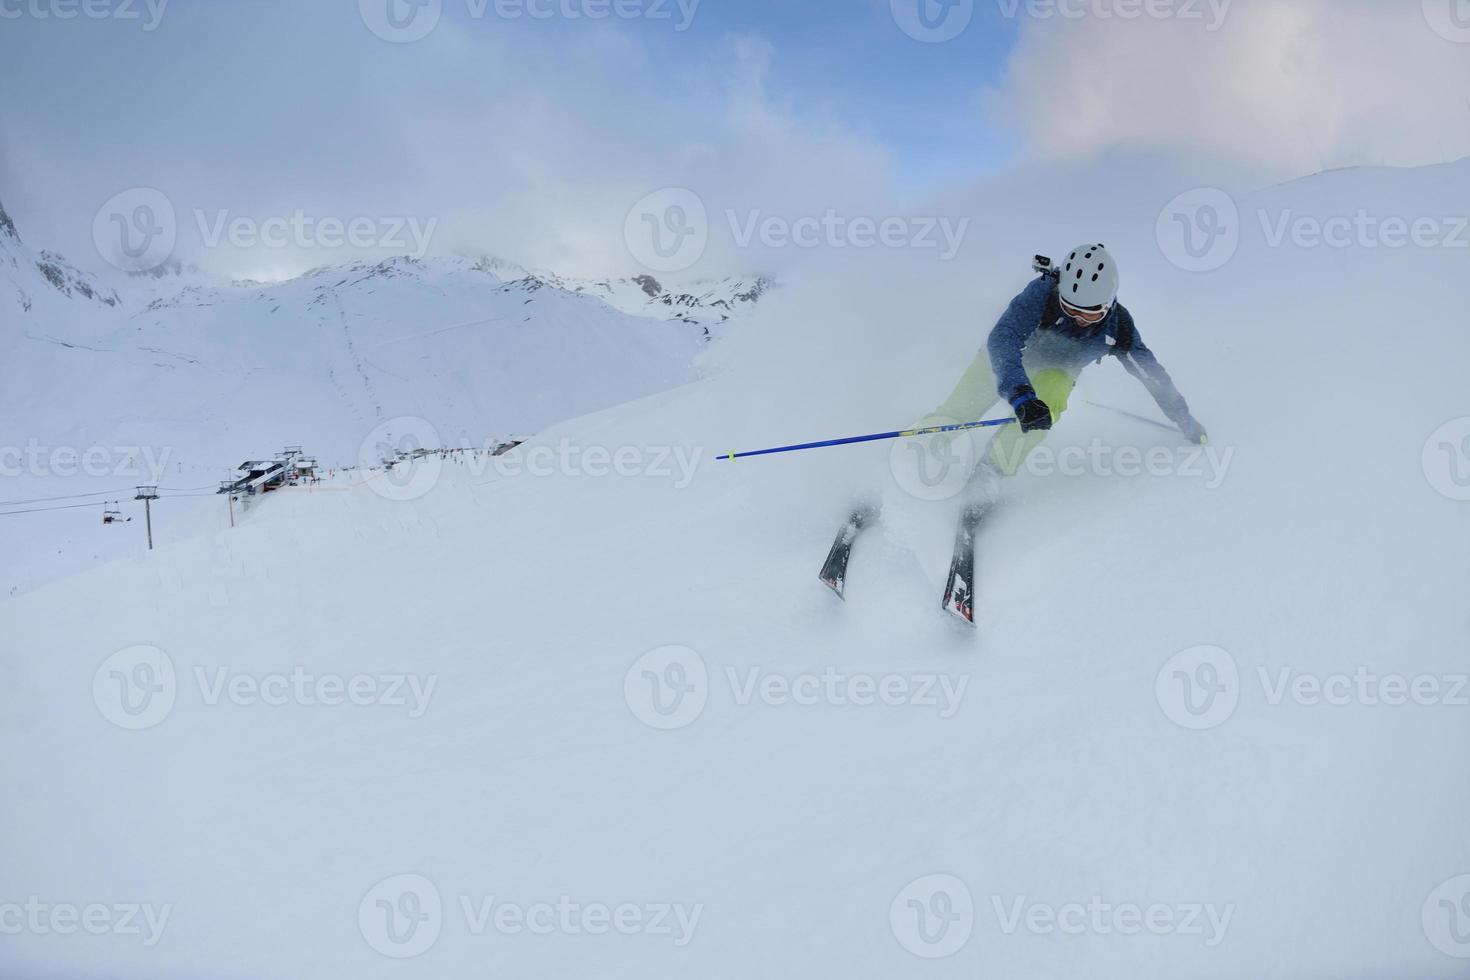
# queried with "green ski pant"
point(976, 392)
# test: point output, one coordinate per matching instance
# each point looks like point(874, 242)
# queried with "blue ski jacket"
point(1034, 332)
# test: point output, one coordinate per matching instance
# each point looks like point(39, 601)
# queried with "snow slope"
point(1041, 766)
point(175, 379)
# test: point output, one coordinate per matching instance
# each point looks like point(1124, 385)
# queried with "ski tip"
point(835, 585)
point(959, 609)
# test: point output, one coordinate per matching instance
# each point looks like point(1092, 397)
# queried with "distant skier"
point(1064, 320)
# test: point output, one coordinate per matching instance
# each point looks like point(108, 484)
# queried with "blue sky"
point(531, 138)
point(849, 58)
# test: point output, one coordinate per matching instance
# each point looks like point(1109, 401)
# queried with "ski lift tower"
point(148, 495)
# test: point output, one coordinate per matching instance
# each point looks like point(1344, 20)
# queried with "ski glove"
point(1194, 432)
point(1032, 412)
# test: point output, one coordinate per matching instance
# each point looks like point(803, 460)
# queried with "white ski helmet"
point(1089, 278)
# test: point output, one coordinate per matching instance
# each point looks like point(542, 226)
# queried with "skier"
point(1063, 320)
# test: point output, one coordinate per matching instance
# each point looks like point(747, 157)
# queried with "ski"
point(834, 570)
point(959, 590)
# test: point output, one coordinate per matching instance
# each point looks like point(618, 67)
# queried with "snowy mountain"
point(31, 277)
point(557, 717)
point(175, 378)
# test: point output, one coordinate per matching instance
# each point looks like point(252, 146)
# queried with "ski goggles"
point(1086, 316)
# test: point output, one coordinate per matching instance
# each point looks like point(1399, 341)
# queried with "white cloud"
point(1290, 86)
point(527, 140)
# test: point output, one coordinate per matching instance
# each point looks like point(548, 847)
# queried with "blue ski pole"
point(900, 434)
point(1134, 415)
